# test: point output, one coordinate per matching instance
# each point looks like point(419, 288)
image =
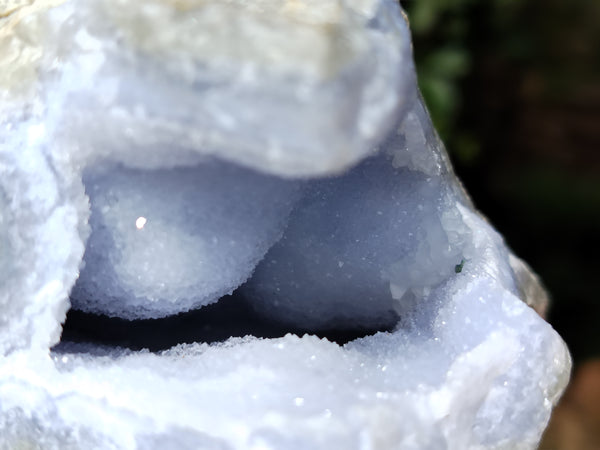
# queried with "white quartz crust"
point(484, 376)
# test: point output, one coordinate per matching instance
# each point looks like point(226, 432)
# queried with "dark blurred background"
point(513, 87)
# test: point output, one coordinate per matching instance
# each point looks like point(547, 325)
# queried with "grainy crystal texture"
point(270, 165)
point(167, 241)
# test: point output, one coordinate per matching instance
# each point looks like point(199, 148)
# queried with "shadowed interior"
point(231, 316)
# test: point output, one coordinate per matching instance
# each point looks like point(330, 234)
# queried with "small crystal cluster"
point(157, 156)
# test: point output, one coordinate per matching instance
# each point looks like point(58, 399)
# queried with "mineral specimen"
point(157, 156)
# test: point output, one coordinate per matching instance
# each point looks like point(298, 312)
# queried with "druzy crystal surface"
point(157, 156)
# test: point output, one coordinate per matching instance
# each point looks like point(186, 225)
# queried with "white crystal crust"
point(391, 390)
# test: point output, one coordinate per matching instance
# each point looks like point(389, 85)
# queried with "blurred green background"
point(513, 89)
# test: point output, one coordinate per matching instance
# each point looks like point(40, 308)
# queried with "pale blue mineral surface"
point(156, 156)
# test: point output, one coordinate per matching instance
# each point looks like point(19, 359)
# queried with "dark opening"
point(231, 316)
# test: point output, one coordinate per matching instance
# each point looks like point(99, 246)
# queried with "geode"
point(270, 161)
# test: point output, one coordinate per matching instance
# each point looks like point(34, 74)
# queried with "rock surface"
point(156, 156)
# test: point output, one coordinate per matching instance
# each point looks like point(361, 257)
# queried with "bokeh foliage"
point(513, 89)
